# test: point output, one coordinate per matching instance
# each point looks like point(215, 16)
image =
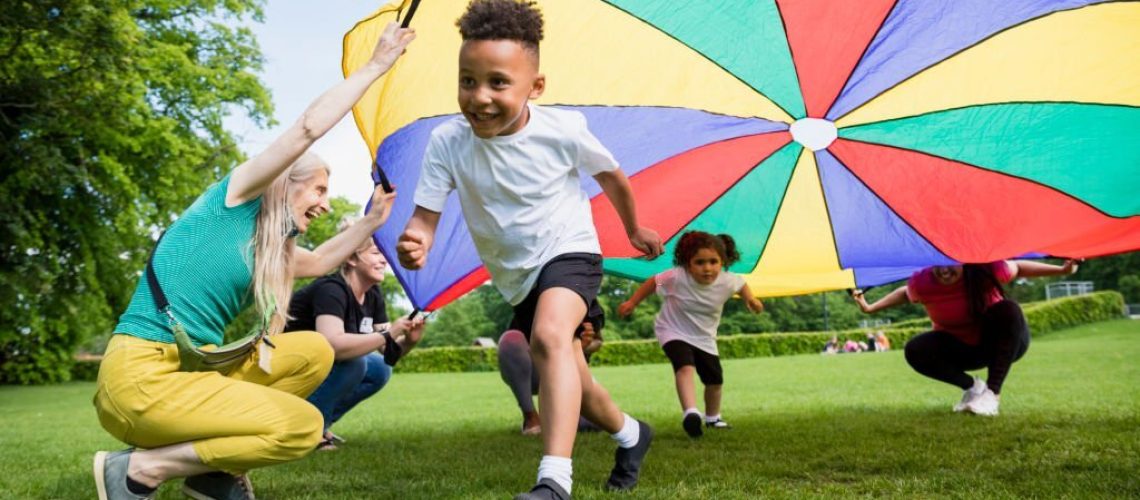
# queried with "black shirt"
point(332, 295)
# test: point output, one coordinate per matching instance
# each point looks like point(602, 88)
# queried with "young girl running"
point(694, 294)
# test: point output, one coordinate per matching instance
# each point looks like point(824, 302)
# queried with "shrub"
point(1043, 318)
point(450, 359)
point(1059, 314)
point(86, 369)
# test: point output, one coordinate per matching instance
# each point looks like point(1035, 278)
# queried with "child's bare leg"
point(557, 315)
point(597, 405)
point(712, 399)
point(633, 436)
point(686, 389)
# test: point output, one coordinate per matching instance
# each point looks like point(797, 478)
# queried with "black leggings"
point(941, 356)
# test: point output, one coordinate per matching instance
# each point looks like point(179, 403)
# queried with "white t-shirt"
point(521, 194)
point(690, 311)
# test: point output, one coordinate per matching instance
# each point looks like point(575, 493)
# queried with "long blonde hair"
point(273, 242)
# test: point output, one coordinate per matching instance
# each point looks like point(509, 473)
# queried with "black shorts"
point(580, 272)
point(681, 353)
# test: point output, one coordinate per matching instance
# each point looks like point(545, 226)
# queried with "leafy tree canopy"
point(111, 118)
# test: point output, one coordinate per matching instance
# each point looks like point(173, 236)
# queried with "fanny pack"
point(192, 359)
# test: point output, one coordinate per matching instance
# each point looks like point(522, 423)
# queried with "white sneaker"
point(969, 395)
point(986, 404)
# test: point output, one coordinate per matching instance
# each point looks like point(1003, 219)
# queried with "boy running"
point(516, 169)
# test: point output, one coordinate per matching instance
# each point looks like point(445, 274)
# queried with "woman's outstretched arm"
point(250, 179)
point(1031, 269)
point(896, 297)
point(334, 251)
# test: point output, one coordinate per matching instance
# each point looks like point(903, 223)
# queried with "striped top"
point(204, 265)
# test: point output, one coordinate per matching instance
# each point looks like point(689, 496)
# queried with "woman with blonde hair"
point(234, 245)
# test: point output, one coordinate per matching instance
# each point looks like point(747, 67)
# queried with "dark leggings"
point(941, 356)
point(516, 368)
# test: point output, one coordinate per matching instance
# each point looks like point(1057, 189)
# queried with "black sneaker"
point(692, 425)
point(627, 461)
point(546, 489)
point(718, 424)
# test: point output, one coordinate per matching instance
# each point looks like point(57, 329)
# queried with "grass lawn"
point(848, 425)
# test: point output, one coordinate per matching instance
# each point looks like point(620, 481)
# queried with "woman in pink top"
point(974, 325)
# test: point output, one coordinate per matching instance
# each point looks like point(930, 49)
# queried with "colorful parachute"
point(841, 143)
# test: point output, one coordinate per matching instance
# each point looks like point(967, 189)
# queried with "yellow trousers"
point(236, 422)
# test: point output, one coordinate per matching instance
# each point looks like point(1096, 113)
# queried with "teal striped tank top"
point(204, 265)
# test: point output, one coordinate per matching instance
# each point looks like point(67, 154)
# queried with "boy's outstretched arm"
point(413, 245)
point(616, 186)
point(647, 288)
point(750, 301)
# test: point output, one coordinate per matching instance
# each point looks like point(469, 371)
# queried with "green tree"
point(1129, 286)
point(639, 324)
point(1106, 272)
point(111, 119)
point(477, 314)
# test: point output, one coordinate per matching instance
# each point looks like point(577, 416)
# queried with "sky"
point(301, 43)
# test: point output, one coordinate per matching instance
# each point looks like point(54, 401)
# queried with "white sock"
point(692, 410)
point(712, 418)
point(629, 434)
point(558, 469)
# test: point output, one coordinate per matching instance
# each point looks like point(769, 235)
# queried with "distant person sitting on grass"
point(517, 171)
point(694, 293)
point(347, 308)
point(882, 342)
point(974, 325)
point(234, 245)
point(831, 346)
point(517, 370)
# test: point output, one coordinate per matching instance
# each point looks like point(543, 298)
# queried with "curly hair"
point(692, 241)
point(518, 20)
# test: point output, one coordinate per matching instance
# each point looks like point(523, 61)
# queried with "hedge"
point(1059, 314)
point(1043, 317)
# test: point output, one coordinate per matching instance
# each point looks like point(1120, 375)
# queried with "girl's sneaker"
point(985, 404)
point(970, 394)
point(717, 424)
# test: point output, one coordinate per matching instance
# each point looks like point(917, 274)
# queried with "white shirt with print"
point(521, 194)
